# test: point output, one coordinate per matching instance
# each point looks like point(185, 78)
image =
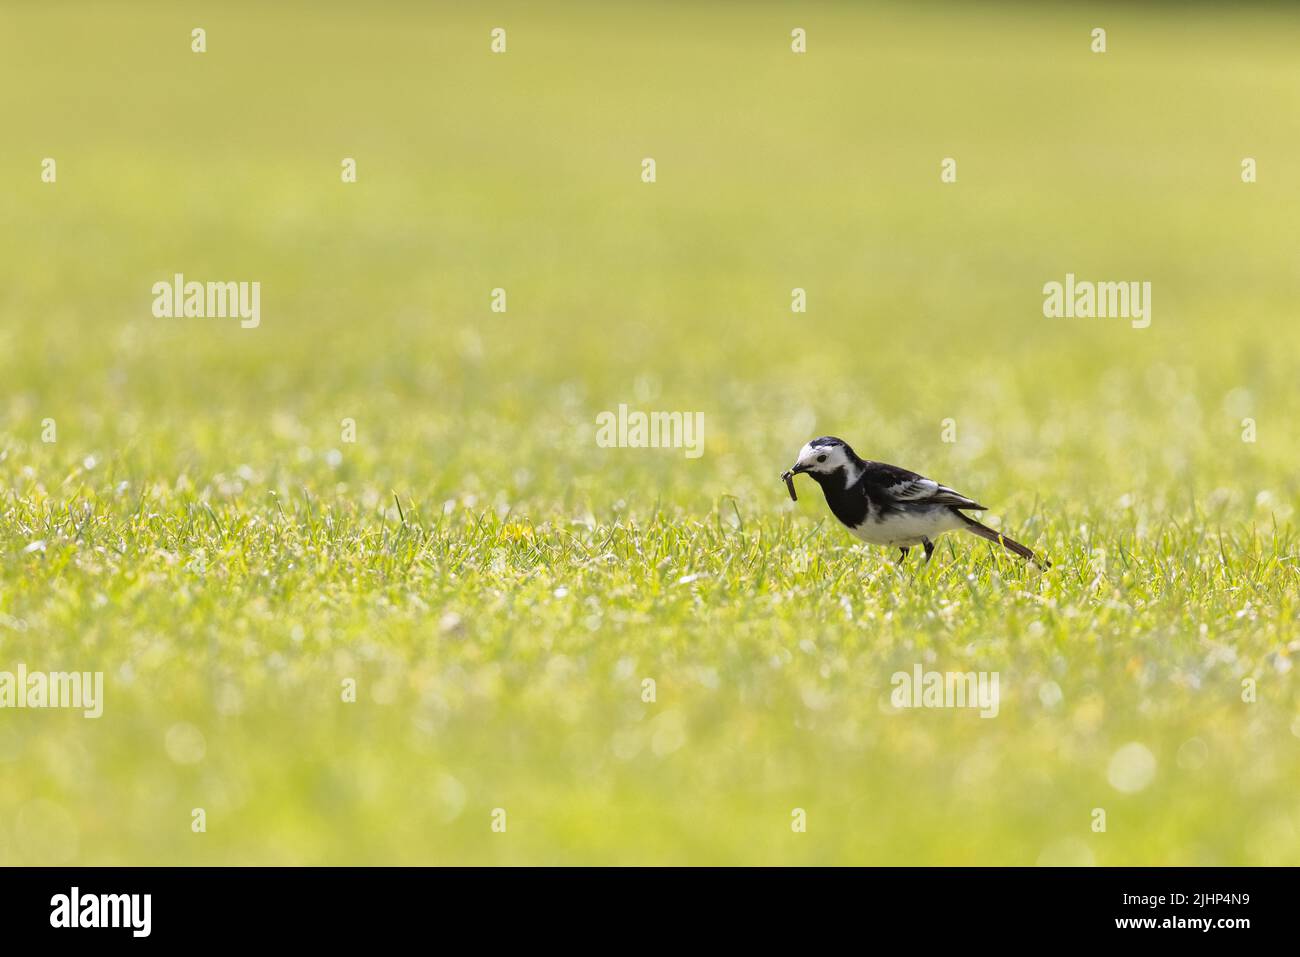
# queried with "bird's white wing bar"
point(921, 489)
point(915, 489)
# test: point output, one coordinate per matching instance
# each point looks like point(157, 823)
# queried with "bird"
point(886, 505)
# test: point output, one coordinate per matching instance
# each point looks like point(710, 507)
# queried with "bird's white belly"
point(907, 527)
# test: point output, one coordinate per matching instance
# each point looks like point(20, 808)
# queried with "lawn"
point(389, 492)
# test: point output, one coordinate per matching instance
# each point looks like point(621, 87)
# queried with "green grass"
point(497, 585)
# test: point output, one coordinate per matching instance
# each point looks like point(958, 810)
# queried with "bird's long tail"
point(1011, 545)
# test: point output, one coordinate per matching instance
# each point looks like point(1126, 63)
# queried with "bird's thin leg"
point(902, 555)
point(929, 549)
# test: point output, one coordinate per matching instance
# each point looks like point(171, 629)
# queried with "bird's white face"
point(821, 458)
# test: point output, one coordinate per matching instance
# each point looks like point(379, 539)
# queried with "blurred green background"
point(200, 532)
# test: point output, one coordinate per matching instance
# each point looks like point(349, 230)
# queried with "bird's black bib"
point(850, 505)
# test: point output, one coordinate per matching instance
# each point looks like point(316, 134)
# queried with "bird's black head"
point(825, 457)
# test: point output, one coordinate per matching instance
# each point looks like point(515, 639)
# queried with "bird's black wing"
point(904, 486)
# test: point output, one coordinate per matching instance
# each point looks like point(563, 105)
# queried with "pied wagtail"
point(885, 505)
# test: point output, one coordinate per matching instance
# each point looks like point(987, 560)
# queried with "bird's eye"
point(821, 458)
